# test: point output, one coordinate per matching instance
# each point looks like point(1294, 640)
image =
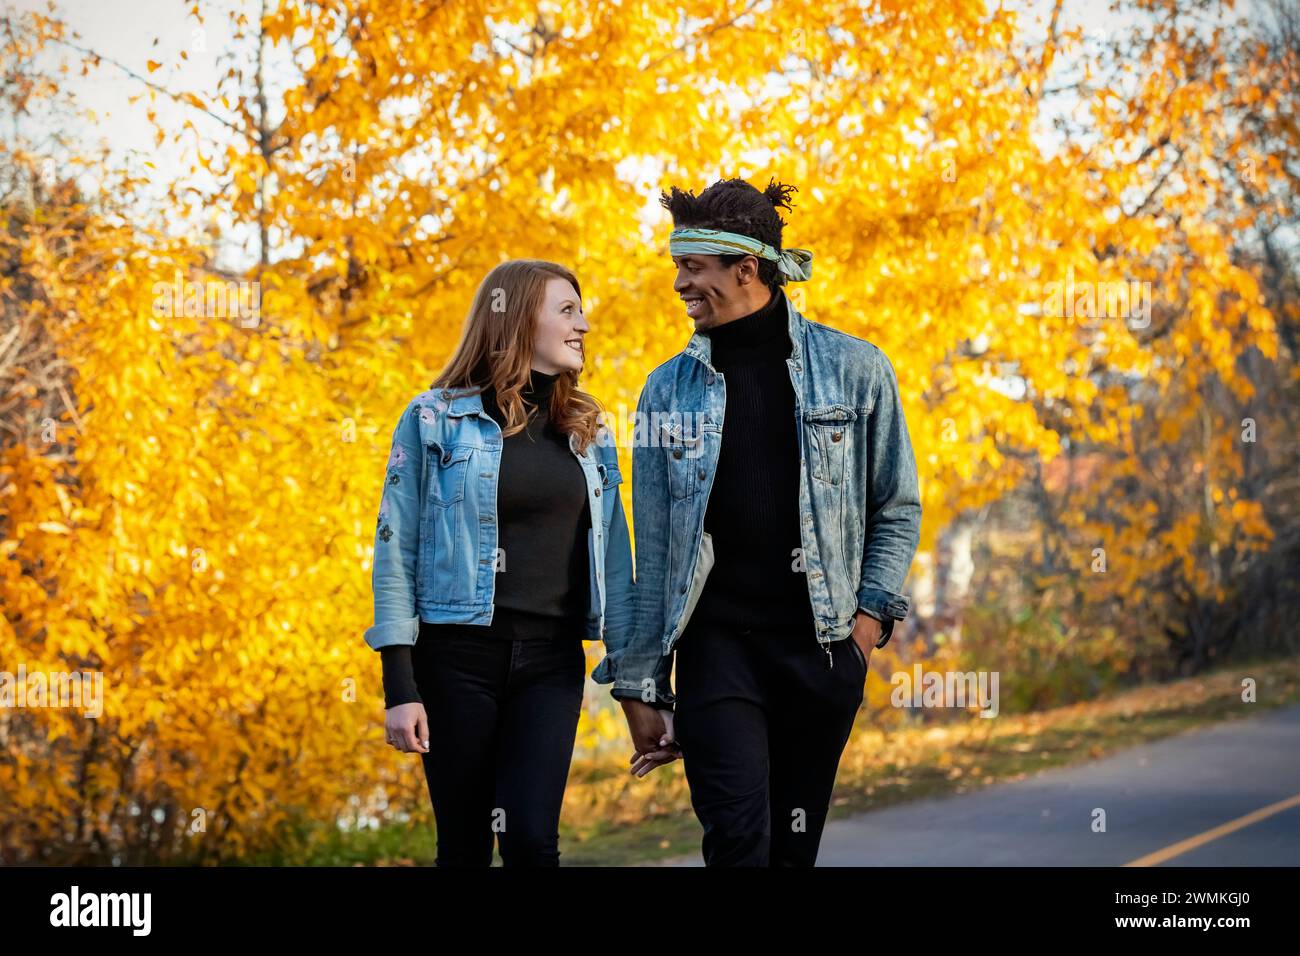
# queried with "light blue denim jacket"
point(436, 536)
point(859, 503)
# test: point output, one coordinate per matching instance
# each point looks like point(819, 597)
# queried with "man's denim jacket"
point(859, 505)
point(436, 537)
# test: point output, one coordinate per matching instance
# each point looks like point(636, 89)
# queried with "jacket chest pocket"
point(447, 469)
point(683, 455)
point(829, 432)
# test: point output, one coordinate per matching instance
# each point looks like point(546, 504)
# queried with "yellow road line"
point(1191, 843)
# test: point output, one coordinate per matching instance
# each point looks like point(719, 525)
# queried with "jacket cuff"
point(661, 702)
point(610, 671)
point(883, 603)
point(604, 671)
point(635, 690)
point(403, 631)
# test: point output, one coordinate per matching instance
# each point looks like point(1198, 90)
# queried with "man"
point(777, 512)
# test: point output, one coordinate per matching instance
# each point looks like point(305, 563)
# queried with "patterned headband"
point(795, 264)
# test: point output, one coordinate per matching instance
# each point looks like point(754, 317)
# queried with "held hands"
point(652, 729)
point(407, 728)
point(652, 736)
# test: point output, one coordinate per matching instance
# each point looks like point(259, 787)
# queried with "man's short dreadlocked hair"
point(733, 205)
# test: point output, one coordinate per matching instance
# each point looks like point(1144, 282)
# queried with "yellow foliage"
point(200, 531)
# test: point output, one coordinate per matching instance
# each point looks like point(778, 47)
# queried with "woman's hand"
point(407, 728)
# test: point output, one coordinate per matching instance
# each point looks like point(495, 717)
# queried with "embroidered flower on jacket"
point(397, 458)
point(385, 532)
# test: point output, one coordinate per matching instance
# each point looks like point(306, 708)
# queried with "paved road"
point(1226, 795)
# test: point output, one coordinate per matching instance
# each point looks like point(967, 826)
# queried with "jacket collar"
point(462, 403)
point(701, 347)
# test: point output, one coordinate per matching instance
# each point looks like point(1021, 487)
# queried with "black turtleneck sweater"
point(758, 579)
point(542, 590)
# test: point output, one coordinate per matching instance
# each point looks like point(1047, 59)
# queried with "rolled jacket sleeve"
point(634, 661)
point(893, 506)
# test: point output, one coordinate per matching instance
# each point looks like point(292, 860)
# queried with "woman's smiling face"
point(557, 345)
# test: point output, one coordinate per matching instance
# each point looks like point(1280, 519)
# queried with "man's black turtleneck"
point(758, 579)
point(542, 585)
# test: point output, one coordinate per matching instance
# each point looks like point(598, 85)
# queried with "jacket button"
point(677, 453)
point(701, 473)
point(597, 492)
point(837, 436)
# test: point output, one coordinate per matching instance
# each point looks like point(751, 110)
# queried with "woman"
point(501, 545)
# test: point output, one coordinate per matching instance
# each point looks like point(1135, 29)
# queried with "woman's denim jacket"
point(859, 505)
point(436, 537)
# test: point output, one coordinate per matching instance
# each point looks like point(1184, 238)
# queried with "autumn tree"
point(189, 489)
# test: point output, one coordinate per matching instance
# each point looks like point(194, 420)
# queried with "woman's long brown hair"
point(496, 348)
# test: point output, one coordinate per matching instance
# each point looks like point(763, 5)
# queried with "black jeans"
point(762, 721)
point(503, 716)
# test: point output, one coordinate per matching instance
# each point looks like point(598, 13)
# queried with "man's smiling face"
point(714, 293)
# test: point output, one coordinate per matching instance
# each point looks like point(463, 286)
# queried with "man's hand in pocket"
point(866, 632)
